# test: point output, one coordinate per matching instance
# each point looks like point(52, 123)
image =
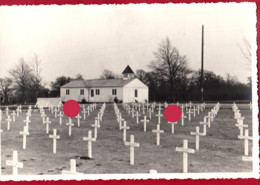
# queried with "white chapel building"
point(126, 89)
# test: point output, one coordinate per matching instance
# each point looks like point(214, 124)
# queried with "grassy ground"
point(220, 150)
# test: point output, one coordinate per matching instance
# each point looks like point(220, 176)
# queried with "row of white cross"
point(15, 164)
point(89, 139)
point(207, 122)
point(243, 135)
point(185, 148)
point(197, 133)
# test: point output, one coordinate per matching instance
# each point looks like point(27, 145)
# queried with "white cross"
point(84, 114)
point(43, 117)
point(28, 113)
point(207, 119)
point(133, 112)
point(8, 122)
point(89, 109)
point(158, 132)
point(24, 133)
point(17, 111)
point(27, 121)
point(159, 115)
point(13, 114)
point(100, 115)
point(194, 111)
point(182, 119)
point(98, 120)
point(202, 106)
point(210, 115)
point(55, 111)
point(143, 108)
point(150, 113)
point(197, 134)
point(124, 127)
point(185, 151)
point(60, 117)
point(182, 107)
point(89, 139)
point(72, 169)
point(241, 127)
point(7, 111)
point(47, 122)
point(189, 112)
point(78, 119)
point(120, 121)
point(186, 106)
point(172, 123)
point(95, 128)
point(246, 138)
point(204, 127)
point(145, 121)
point(137, 117)
point(132, 144)
point(153, 105)
point(118, 114)
point(128, 109)
point(54, 137)
point(147, 105)
point(14, 163)
point(160, 107)
point(139, 107)
point(239, 119)
point(237, 114)
point(20, 108)
point(70, 125)
point(190, 104)
point(198, 108)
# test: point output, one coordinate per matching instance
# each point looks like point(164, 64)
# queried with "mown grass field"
point(220, 150)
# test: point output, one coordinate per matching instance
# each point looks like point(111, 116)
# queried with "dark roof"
point(97, 83)
point(128, 70)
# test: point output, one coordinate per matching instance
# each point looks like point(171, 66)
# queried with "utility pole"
point(202, 58)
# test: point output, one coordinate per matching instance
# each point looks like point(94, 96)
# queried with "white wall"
point(126, 93)
point(74, 94)
point(106, 94)
point(46, 102)
point(129, 92)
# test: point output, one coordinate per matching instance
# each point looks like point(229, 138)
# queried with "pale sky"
point(86, 39)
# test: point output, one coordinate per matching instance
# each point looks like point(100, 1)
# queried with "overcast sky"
point(84, 39)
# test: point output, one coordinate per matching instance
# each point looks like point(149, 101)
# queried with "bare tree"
point(79, 77)
point(141, 75)
point(245, 49)
point(170, 65)
point(107, 74)
point(5, 87)
point(36, 78)
point(231, 80)
point(21, 75)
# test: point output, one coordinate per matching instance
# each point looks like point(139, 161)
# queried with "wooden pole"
point(202, 63)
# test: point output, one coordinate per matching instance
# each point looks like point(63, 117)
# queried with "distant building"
point(126, 89)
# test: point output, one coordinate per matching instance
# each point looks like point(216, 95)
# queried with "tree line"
point(169, 78)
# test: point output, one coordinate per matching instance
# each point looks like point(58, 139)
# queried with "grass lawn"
point(220, 150)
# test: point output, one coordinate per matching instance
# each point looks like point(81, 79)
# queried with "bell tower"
point(128, 73)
